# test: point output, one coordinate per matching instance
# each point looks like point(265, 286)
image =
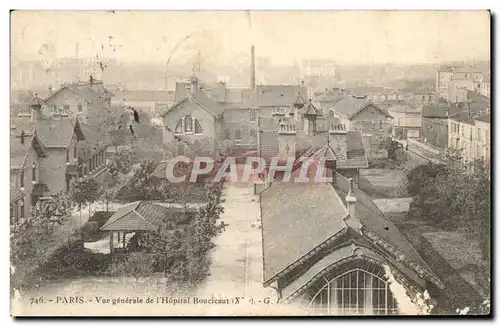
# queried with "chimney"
point(50, 89)
point(91, 79)
point(351, 199)
point(194, 84)
point(252, 67)
point(22, 137)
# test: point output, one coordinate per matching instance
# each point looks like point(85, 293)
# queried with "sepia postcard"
point(250, 163)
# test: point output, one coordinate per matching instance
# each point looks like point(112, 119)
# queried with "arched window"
point(197, 127)
point(352, 289)
point(253, 134)
point(178, 127)
point(188, 124)
point(227, 134)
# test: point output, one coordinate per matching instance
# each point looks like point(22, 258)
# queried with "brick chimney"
point(252, 67)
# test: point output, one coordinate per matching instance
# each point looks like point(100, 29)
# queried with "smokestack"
point(252, 67)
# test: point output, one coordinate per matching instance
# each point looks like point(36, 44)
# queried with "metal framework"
point(359, 290)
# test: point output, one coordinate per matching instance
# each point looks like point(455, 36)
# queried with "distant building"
point(407, 120)
point(435, 124)
point(358, 113)
point(443, 77)
point(486, 87)
point(470, 135)
point(152, 102)
point(87, 101)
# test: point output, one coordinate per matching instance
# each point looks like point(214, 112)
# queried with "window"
point(53, 109)
point(84, 169)
point(227, 134)
point(66, 109)
point(253, 115)
point(178, 128)
point(197, 127)
point(90, 165)
point(22, 179)
point(188, 124)
point(67, 184)
point(74, 151)
point(33, 172)
point(67, 154)
point(80, 108)
point(237, 134)
point(356, 291)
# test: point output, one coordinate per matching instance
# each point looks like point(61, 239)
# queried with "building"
point(306, 133)
point(65, 149)
point(87, 101)
point(407, 120)
point(486, 87)
point(26, 187)
point(435, 124)
point(358, 113)
point(151, 102)
point(327, 248)
point(482, 135)
point(326, 99)
point(443, 78)
point(461, 129)
point(470, 135)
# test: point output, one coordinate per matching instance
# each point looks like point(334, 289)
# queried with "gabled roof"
point(58, 133)
point(36, 101)
point(309, 109)
point(312, 214)
point(351, 106)
point(278, 95)
point(484, 118)
point(329, 96)
point(308, 215)
point(144, 216)
point(201, 100)
point(327, 153)
point(90, 92)
point(19, 151)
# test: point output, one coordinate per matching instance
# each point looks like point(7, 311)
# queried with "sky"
point(224, 37)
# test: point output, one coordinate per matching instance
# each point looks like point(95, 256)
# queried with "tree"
point(137, 265)
point(109, 187)
point(142, 185)
point(27, 234)
point(454, 195)
point(85, 191)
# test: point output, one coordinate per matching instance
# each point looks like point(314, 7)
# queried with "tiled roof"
point(439, 111)
point(352, 105)
point(57, 133)
point(329, 96)
point(375, 221)
point(309, 109)
point(278, 95)
point(463, 117)
point(18, 150)
point(137, 216)
point(484, 118)
point(209, 104)
point(308, 214)
point(91, 92)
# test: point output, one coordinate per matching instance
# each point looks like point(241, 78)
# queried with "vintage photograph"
point(250, 163)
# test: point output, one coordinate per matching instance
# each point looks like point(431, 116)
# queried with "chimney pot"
point(351, 199)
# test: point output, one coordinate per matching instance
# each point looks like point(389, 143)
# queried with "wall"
point(66, 97)
point(435, 131)
point(482, 140)
point(460, 137)
point(457, 90)
point(375, 127)
point(240, 119)
point(15, 177)
point(206, 141)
